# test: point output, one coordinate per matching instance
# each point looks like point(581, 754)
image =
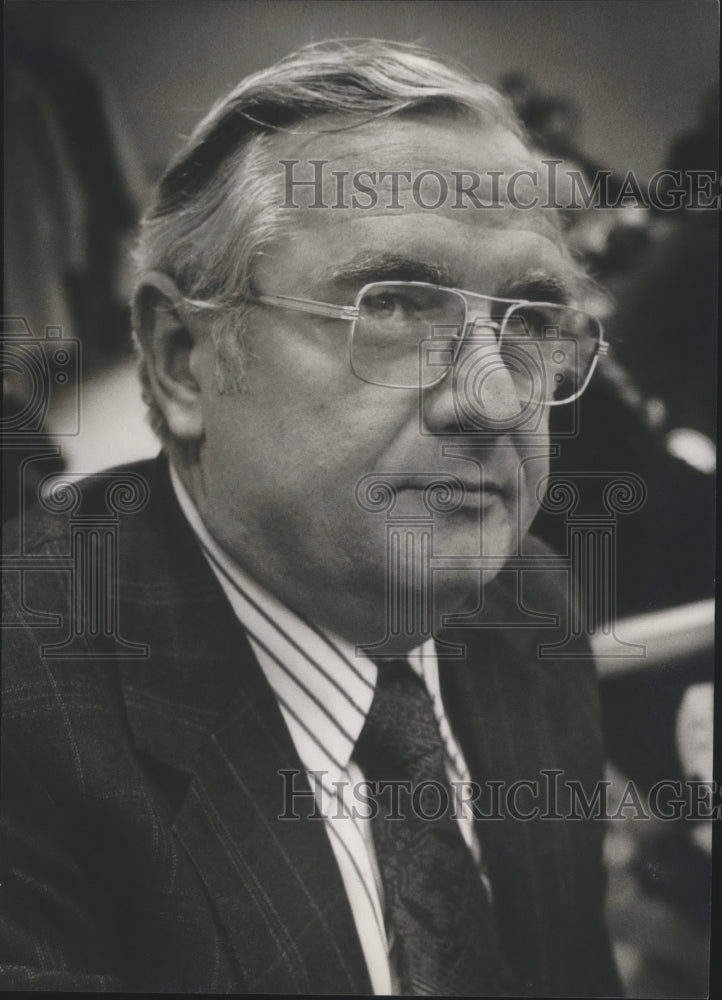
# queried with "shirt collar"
point(324, 687)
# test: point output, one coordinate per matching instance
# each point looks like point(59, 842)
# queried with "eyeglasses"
point(409, 334)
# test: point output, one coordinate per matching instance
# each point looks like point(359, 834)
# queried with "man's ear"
point(173, 344)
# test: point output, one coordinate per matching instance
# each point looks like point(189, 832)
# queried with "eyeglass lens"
point(409, 335)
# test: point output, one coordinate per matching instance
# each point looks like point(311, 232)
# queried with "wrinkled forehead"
point(425, 161)
point(470, 188)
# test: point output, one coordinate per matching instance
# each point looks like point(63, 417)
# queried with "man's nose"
point(478, 393)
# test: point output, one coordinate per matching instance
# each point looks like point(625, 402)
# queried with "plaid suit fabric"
point(141, 838)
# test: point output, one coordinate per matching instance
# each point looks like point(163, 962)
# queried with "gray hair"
point(216, 207)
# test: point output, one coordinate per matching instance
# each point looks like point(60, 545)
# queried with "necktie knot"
point(400, 738)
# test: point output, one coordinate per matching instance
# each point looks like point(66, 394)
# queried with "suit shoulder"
point(42, 526)
point(40, 578)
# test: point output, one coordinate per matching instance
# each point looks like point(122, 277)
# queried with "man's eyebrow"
point(537, 285)
point(390, 267)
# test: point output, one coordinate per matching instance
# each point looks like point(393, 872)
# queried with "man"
point(268, 768)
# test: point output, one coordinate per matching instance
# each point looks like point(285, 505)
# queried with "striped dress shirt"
point(324, 690)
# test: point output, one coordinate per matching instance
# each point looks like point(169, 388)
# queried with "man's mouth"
point(459, 491)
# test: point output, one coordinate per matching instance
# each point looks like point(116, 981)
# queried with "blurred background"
point(98, 96)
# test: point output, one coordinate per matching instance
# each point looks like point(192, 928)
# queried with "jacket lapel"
point(201, 706)
point(510, 712)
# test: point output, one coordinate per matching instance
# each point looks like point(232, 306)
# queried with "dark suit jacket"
point(141, 796)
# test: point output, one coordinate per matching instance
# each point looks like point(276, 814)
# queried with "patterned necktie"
point(440, 915)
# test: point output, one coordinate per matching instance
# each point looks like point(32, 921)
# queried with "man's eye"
point(534, 321)
point(388, 305)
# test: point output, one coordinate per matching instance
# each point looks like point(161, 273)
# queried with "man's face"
point(281, 460)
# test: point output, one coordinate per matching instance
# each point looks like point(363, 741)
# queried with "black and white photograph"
point(359, 463)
